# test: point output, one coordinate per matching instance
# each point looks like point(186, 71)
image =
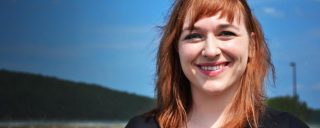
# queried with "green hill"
point(25, 96)
point(295, 107)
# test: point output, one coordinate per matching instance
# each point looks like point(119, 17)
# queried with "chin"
point(214, 90)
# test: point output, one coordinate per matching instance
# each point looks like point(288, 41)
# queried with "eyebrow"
point(220, 26)
point(224, 26)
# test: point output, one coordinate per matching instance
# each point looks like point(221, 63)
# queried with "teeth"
point(212, 68)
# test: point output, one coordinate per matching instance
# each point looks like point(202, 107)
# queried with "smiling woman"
point(211, 66)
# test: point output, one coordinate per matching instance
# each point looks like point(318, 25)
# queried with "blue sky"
point(113, 42)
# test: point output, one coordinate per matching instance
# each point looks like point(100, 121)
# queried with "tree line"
point(26, 96)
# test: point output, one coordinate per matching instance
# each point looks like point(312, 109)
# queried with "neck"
point(209, 110)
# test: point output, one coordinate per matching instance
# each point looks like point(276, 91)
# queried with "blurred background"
point(94, 61)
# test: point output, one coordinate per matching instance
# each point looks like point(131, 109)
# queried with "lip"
point(213, 73)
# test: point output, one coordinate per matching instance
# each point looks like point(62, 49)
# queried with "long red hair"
point(173, 88)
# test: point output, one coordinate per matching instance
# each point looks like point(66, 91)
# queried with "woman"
point(211, 66)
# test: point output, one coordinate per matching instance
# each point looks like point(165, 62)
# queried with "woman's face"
point(214, 54)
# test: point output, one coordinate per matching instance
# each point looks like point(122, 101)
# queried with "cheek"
point(237, 49)
point(187, 52)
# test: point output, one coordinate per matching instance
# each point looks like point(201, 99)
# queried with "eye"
point(193, 36)
point(227, 34)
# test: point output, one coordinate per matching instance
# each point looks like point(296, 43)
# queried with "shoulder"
point(277, 119)
point(142, 121)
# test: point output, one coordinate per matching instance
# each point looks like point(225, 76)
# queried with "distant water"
point(63, 124)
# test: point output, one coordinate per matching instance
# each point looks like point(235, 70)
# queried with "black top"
point(270, 119)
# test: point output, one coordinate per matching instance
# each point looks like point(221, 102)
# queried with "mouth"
point(212, 69)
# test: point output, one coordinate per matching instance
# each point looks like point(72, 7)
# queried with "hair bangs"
point(229, 9)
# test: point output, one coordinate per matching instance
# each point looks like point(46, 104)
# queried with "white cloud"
point(272, 12)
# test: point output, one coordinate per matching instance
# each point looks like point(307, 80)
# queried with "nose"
point(211, 48)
